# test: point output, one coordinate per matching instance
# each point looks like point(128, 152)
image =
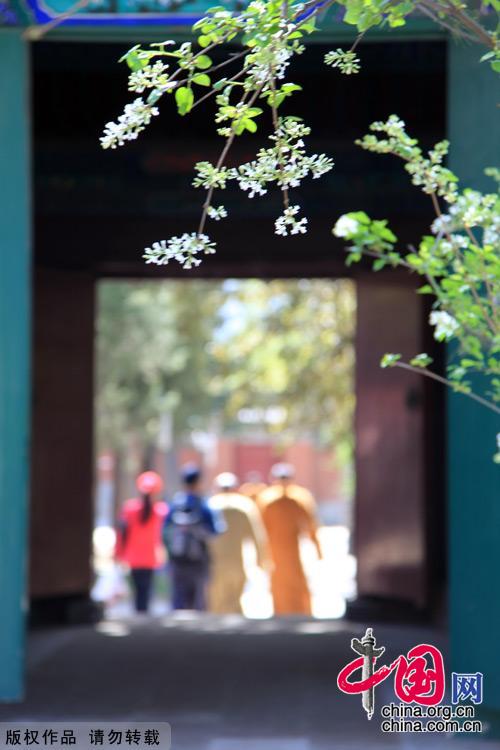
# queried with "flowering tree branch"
point(271, 33)
point(460, 261)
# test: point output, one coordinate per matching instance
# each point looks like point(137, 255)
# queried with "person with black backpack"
point(189, 524)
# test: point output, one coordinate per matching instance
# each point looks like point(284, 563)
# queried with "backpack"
point(186, 533)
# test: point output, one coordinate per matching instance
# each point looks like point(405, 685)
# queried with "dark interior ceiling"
point(96, 209)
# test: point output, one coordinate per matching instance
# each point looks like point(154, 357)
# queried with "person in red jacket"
point(139, 535)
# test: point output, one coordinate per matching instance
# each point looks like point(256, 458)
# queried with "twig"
point(475, 28)
point(286, 196)
point(214, 91)
point(449, 383)
point(35, 33)
point(440, 22)
point(357, 41)
point(222, 158)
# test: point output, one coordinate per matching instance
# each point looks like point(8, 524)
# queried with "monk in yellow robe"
point(288, 512)
point(227, 571)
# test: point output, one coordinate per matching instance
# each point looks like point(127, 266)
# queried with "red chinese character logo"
point(416, 681)
point(419, 676)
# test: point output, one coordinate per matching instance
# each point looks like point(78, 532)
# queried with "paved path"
point(224, 683)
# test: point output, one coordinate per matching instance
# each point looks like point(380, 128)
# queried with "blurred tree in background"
point(276, 357)
point(152, 359)
point(286, 356)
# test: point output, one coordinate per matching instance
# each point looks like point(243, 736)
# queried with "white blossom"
point(216, 213)
point(346, 226)
point(210, 176)
point(442, 224)
point(346, 61)
point(184, 249)
point(319, 165)
point(287, 223)
point(445, 325)
point(491, 235)
point(135, 117)
point(285, 163)
point(150, 77)
point(269, 61)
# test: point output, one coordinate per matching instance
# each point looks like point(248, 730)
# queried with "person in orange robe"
point(288, 512)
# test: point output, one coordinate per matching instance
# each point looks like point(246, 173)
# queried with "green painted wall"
point(15, 273)
point(474, 480)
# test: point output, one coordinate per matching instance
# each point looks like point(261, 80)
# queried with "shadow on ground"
point(223, 683)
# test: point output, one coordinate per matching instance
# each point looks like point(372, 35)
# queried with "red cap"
point(149, 482)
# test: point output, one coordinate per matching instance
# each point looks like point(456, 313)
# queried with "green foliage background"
point(203, 351)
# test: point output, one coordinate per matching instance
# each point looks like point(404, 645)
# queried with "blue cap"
point(190, 473)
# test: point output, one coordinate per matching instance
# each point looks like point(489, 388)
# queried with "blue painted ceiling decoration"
point(8, 14)
point(124, 12)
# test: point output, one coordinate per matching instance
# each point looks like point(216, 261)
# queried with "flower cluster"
point(286, 163)
point(265, 59)
point(460, 261)
point(346, 61)
point(210, 176)
point(185, 249)
point(288, 223)
point(275, 40)
point(471, 210)
point(150, 77)
point(135, 117)
point(445, 325)
point(271, 34)
point(216, 213)
point(346, 227)
point(426, 173)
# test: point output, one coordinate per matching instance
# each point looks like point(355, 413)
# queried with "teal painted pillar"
point(474, 480)
point(15, 279)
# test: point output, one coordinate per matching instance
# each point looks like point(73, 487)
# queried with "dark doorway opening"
point(95, 211)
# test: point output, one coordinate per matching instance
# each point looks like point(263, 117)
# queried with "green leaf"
point(133, 60)
point(198, 24)
point(249, 40)
point(184, 98)
point(309, 26)
point(395, 22)
point(386, 234)
point(360, 216)
point(204, 40)
point(250, 125)
point(353, 257)
point(201, 79)
point(203, 62)
point(389, 360)
point(130, 53)
point(421, 360)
